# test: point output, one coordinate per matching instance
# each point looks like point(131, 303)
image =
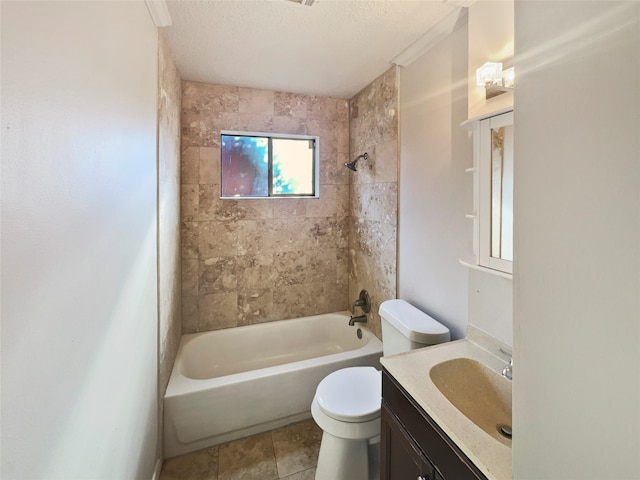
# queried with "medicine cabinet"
point(492, 193)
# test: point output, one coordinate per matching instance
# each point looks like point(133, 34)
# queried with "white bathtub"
point(232, 383)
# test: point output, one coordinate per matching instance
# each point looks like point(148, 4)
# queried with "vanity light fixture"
point(494, 80)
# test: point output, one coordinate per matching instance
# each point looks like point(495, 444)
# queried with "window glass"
point(268, 165)
point(292, 166)
point(245, 166)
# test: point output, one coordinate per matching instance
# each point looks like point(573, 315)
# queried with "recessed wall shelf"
point(471, 122)
point(486, 270)
point(492, 172)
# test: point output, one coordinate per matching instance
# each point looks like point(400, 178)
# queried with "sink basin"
point(481, 394)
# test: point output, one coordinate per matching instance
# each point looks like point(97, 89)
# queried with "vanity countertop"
point(411, 370)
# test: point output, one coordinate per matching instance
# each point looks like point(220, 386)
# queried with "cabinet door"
point(401, 458)
point(407, 424)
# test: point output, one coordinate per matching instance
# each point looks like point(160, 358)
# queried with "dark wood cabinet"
point(413, 446)
point(402, 457)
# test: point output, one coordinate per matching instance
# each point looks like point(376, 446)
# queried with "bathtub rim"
point(180, 385)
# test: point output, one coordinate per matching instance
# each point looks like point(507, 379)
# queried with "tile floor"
point(288, 453)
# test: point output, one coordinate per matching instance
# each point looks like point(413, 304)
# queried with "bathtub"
point(229, 384)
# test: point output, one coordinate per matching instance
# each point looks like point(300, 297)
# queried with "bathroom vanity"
point(442, 407)
point(412, 444)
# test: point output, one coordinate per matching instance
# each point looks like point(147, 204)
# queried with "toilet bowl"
point(347, 402)
point(347, 408)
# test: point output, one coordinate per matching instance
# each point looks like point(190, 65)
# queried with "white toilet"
point(347, 402)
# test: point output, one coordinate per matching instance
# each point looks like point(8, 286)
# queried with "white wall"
point(577, 241)
point(490, 40)
point(434, 191)
point(79, 296)
point(491, 305)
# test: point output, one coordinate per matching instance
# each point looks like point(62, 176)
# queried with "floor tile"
point(288, 453)
point(250, 458)
point(200, 465)
point(296, 447)
point(306, 475)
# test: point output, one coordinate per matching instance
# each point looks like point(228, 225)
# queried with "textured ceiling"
point(333, 48)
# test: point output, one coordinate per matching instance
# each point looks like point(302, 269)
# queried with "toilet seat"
point(351, 395)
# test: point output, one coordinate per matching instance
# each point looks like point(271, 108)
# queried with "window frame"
point(316, 164)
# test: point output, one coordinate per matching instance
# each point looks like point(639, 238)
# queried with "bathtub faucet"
point(359, 319)
point(363, 301)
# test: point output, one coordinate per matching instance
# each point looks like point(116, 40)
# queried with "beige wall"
point(374, 192)
point(251, 261)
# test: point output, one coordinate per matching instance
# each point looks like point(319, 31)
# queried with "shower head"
point(352, 165)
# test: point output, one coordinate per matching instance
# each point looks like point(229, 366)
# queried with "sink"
point(481, 394)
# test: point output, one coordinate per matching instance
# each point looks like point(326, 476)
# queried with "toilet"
point(347, 402)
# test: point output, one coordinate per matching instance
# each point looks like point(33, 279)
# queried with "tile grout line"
point(273, 449)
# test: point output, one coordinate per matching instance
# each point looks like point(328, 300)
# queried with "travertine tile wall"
point(374, 193)
point(169, 250)
point(251, 261)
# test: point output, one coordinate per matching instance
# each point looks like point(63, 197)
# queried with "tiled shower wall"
point(169, 250)
point(374, 193)
point(252, 261)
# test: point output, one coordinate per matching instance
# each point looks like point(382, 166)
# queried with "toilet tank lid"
point(414, 324)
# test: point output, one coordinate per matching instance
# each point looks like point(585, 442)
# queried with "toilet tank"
point(405, 328)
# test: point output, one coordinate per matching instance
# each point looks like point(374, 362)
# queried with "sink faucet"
point(360, 319)
point(507, 371)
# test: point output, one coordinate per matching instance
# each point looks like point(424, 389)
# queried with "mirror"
point(502, 192)
point(495, 193)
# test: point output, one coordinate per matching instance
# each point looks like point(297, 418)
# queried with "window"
point(262, 165)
